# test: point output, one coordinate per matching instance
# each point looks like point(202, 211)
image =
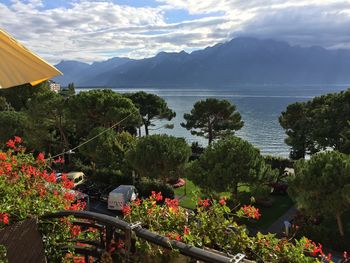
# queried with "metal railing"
point(111, 228)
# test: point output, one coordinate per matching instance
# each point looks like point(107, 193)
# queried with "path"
point(278, 226)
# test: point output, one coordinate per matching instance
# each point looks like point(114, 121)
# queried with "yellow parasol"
point(19, 66)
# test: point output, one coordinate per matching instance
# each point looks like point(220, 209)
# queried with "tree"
point(18, 96)
point(107, 151)
point(102, 108)
point(226, 164)
point(4, 105)
point(151, 107)
point(296, 124)
point(318, 124)
point(159, 156)
point(322, 185)
point(212, 119)
point(69, 91)
point(47, 122)
point(12, 123)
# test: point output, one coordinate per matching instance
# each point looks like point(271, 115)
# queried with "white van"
point(120, 196)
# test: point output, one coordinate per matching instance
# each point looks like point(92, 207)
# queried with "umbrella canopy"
point(19, 66)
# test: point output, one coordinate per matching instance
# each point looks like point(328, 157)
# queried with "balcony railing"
point(111, 228)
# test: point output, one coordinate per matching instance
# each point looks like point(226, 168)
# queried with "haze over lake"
point(260, 107)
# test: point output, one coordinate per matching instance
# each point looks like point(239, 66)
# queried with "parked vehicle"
point(78, 178)
point(105, 193)
point(120, 196)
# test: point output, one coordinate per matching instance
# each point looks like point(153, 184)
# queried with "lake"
point(260, 107)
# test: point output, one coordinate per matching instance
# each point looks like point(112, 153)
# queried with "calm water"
point(259, 106)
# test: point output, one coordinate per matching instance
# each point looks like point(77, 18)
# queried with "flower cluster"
point(4, 218)
point(26, 177)
point(251, 211)
point(204, 202)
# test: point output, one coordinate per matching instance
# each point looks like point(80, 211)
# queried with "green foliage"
point(28, 190)
point(226, 164)
point(69, 91)
point(12, 122)
point(4, 105)
point(213, 226)
point(151, 107)
point(318, 124)
point(322, 185)
point(18, 96)
point(212, 119)
point(159, 156)
point(279, 163)
point(101, 108)
point(146, 186)
point(48, 127)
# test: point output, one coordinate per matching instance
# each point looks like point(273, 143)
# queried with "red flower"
point(75, 230)
point(204, 202)
point(329, 257)
point(186, 230)
point(159, 196)
point(126, 210)
point(120, 244)
point(69, 196)
point(3, 156)
point(137, 202)
point(17, 139)
point(41, 158)
point(11, 144)
point(251, 211)
point(156, 196)
point(222, 201)
point(4, 218)
point(59, 160)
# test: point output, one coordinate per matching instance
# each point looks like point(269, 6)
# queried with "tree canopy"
point(318, 124)
point(102, 108)
point(227, 163)
point(159, 156)
point(321, 186)
point(212, 119)
point(151, 107)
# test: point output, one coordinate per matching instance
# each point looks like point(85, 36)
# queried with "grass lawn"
point(268, 214)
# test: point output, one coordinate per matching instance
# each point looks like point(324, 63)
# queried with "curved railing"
point(111, 228)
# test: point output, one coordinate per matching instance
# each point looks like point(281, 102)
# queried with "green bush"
point(146, 186)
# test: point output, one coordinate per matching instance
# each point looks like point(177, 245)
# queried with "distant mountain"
point(239, 61)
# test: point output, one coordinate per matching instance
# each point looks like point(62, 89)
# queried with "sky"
point(97, 30)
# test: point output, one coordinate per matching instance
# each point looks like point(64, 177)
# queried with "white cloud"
point(95, 30)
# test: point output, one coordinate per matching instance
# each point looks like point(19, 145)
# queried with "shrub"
point(146, 186)
point(214, 226)
point(29, 190)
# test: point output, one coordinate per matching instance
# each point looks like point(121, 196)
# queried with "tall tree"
point(318, 124)
point(159, 156)
point(48, 125)
point(322, 185)
point(107, 151)
point(151, 107)
point(227, 163)
point(296, 124)
point(212, 119)
point(102, 108)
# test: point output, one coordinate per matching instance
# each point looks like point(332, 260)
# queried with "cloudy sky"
point(97, 30)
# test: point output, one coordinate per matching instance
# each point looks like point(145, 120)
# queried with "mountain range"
point(240, 61)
